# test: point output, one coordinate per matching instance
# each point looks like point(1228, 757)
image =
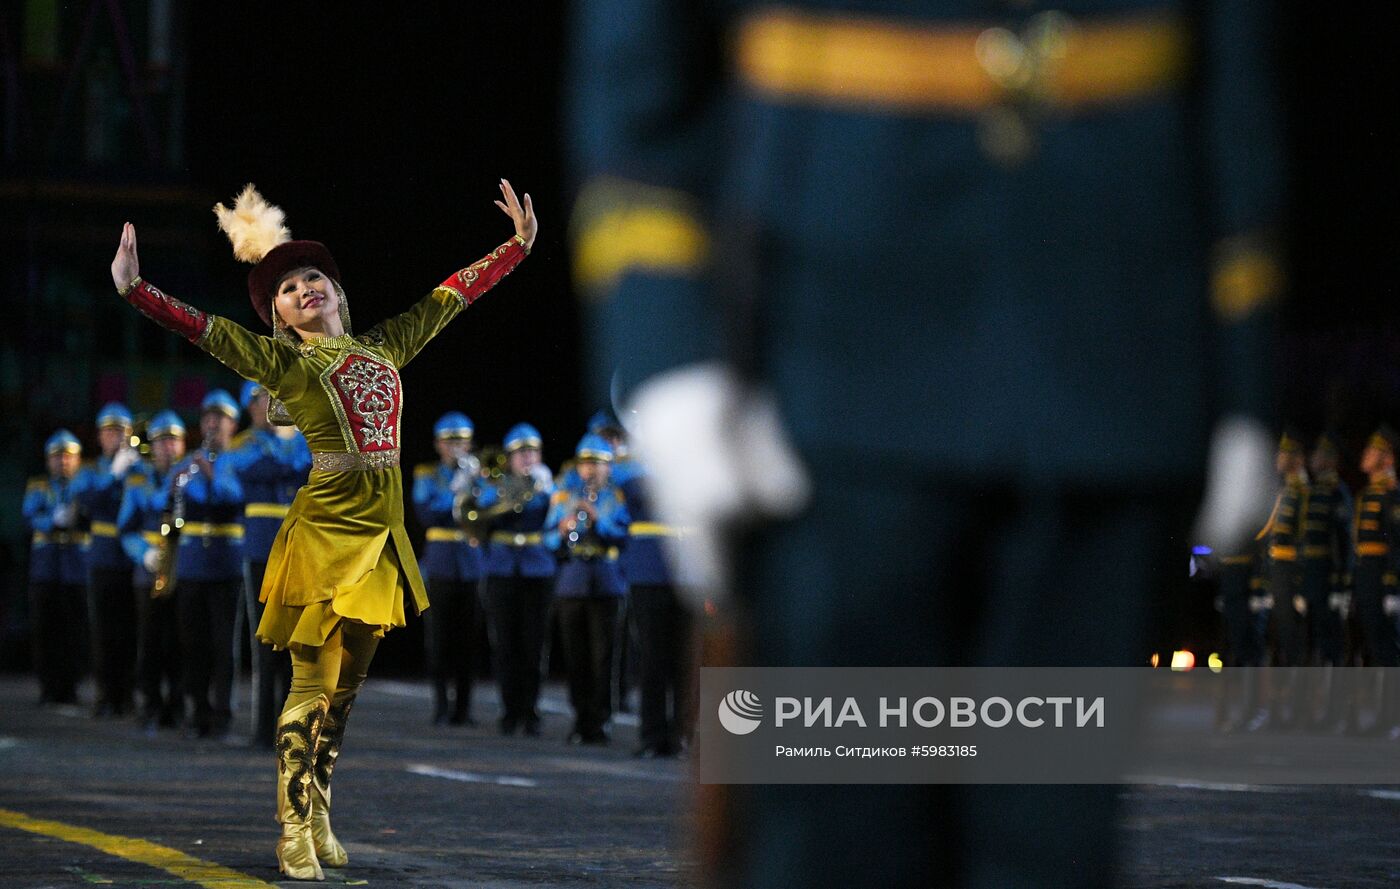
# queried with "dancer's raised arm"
point(404, 335)
point(251, 356)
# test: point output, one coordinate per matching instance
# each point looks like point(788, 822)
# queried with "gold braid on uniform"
point(296, 746)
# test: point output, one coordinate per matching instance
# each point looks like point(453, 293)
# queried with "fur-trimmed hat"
point(260, 235)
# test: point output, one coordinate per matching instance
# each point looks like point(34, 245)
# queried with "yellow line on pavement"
point(193, 870)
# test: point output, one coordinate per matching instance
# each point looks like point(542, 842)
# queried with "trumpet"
point(583, 541)
point(172, 519)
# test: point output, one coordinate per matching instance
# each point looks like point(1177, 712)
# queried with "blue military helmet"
point(63, 442)
point(166, 424)
point(453, 424)
point(603, 421)
point(221, 401)
point(249, 391)
point(114, 413)
point(522, 435)
point(594, 447)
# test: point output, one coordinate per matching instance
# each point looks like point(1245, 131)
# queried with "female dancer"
point(341, 564)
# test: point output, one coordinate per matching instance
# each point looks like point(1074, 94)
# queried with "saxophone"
point(172, 519)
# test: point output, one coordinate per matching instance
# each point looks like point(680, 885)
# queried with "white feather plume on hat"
point(253, 225)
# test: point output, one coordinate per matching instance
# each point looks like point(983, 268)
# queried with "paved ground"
point(437, 807)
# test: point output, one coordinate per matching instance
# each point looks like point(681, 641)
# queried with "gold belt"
point(449, 535)
point(958, 68)
point(509, 538)
point(103, 529)
point(1372, 549)
point(266, 510)
point(153, 538)
point(1281, 553)
point(59, 538)
point(592, 551)
point(651, 529)
point(344, 461)
point(206, 529)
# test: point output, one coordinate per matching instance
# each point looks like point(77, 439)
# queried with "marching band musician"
point(451, 565)
point(56, 569)
point(518, 573)
point(271, 463)
point(210, 567)
point(145, 502)
point(587, 524)
point(111, 604)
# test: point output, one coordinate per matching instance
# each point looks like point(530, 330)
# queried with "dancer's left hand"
point(522, 215)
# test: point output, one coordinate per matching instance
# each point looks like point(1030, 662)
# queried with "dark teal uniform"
point(1282, 539)
point(1374, 577)
point(998, 289)
point(1326, 555)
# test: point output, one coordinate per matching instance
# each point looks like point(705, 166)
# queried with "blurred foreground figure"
point(960, 289)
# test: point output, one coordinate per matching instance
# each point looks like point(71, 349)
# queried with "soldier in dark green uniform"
point(1326, 556)
point(1377, 561)
point(1282, 538)
point(998, 269)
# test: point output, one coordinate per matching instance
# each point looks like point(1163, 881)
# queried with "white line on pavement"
point(1187, 784)
point(1382, 794)
point(1258, 881)
point(471, 777)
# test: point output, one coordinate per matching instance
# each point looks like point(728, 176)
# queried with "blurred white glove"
point(64, 515)
point(543, 477)
point(123, 460)
point(1240, 484)
point(716, 453)
point(150, 560)
point(1391, 605)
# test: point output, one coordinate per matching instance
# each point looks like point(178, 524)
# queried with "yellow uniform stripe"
point(173, 862)
point(657, 239)
point(151, 537)
point(205, 529)
point(1372, 549)
point(266, 510)
point(103, 529)
point(955, 69)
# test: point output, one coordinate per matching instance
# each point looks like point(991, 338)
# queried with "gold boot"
point(328, 848)
point(298, 729)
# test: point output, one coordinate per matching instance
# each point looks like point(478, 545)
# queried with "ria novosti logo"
point(740, 712)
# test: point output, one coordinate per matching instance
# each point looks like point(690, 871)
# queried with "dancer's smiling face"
point(305, 298)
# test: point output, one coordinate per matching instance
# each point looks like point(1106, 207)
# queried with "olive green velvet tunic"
point(342, 551)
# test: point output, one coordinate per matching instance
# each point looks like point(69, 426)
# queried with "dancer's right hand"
point(126, 265)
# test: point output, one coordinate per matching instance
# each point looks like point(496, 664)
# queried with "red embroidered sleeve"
point(472, 282)
point(166, 310)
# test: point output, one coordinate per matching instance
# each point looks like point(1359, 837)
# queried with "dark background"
point(382, 133)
